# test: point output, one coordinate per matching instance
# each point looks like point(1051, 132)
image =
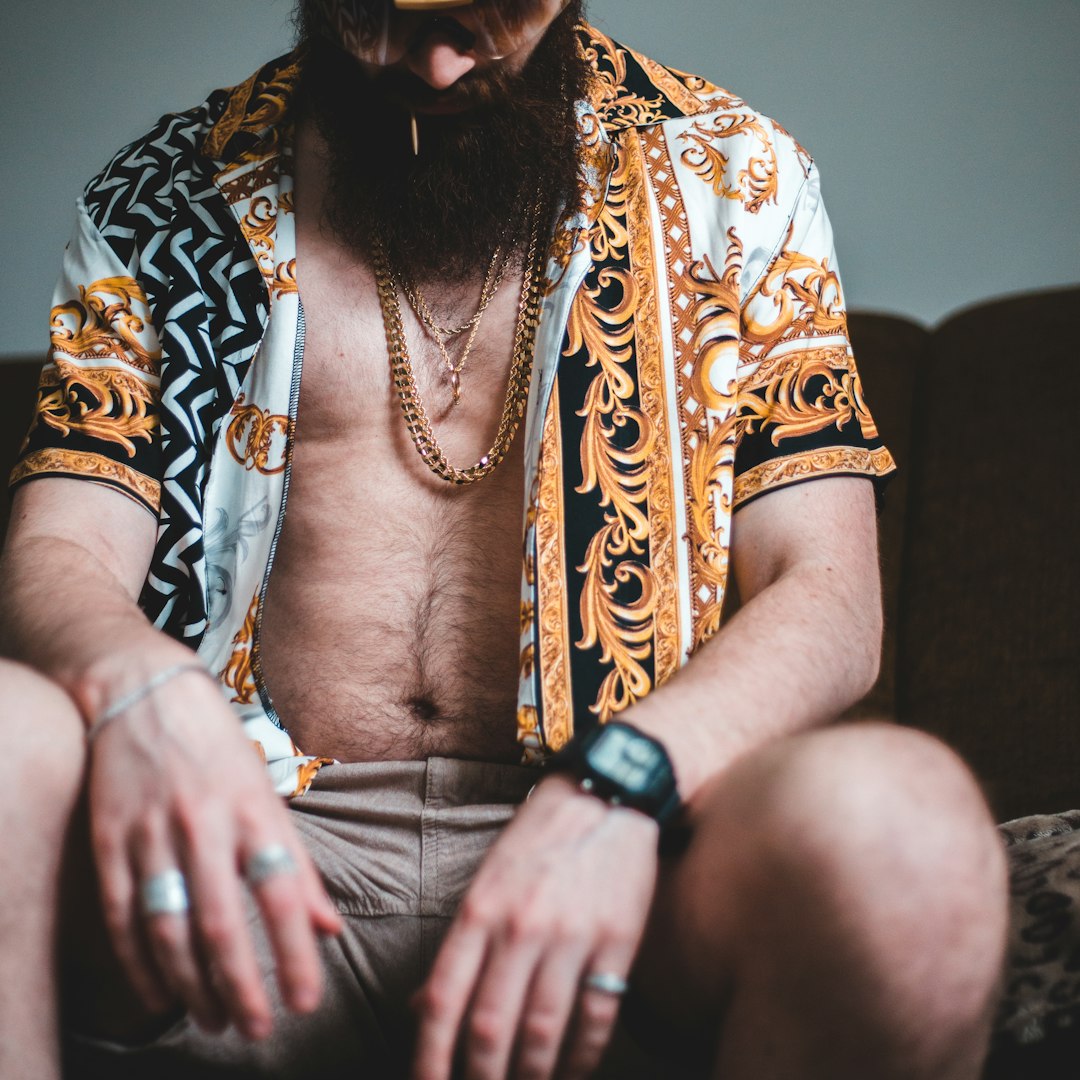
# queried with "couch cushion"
point(989, 632)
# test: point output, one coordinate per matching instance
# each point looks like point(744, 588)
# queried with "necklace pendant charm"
point(455, 387)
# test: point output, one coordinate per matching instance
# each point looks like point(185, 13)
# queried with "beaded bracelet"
point(111, 712)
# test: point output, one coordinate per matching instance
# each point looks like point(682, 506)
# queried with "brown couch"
point(979, 545)
point(979, 534)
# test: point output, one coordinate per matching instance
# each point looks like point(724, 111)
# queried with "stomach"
point(396, 639)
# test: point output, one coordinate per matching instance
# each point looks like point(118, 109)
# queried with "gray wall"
point(946, 130)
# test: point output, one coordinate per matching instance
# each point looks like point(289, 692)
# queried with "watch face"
point(624, 758)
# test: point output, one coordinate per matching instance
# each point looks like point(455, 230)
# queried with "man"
point(438, 221)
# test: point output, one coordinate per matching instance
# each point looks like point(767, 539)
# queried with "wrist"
point(624, 767)
point(113, 676)
point(133, 698)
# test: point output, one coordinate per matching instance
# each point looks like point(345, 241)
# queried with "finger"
point(442, 1000)
point(123, 924)
point(496, 1007)
point(595, 1014)
point(543, 1028)
point(222, 926)
point(170, 939)
point(282, 899)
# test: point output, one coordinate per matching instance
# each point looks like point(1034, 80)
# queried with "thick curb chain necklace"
point(517, 391)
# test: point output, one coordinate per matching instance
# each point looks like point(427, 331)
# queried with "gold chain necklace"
point(440, 334)
point(517, 390)
point(492, 281)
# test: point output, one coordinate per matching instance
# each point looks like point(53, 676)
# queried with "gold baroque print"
point(621, 474)
point(285, 279)
point(623, 629)
point(259, 226)
point(121, 410)
point(716, 317)
point(834, 460)
point(785, 410)
point(653, 395)
point(608, 237)
point(780, 364)
point(256, 106)
point(257, 438)
point(716, 320)
point(238, 675)
point(554, 636)
point(807, 298)
point(757, 184)
point(91, 467)
point(103, 324)
point(613, 100)
point(712, 465)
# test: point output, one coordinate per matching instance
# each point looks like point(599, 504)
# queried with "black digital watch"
point(623, 766)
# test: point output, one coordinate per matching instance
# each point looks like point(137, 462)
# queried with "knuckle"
point(105, 840)
point(164, 934)
point(486, 1029)
point(598, 1011)
point(520, 928)
point(476, 910)
point(190, 816)
point(280, 899)
point(432, 1001)
point(540, 1030)
point(218, 929)
point(116, 917)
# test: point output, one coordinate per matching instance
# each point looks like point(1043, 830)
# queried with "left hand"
point(563, 893)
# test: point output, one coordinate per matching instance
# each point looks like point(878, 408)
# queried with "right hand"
point(175, 783)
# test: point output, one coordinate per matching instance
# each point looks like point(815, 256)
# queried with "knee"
point(873, 827)
point(44, 744)
point(869, 793)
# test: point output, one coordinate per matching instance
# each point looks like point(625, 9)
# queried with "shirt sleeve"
point(96, 416)
point(801, 409)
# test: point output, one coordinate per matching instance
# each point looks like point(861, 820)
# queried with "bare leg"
point(43, 740)
point(840, 913)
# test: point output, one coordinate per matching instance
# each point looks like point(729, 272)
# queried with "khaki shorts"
point(397, 844)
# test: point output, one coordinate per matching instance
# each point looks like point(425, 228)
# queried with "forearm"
point(63, 612)
point(797, 654)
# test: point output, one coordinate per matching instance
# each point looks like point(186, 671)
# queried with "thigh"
point(811, 839)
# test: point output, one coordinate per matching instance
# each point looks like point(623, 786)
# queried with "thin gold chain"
point(492, 280)
point(517, 390)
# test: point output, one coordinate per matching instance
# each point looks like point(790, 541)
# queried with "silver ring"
point(606, 982)
point(267, 862)
point(164, 894)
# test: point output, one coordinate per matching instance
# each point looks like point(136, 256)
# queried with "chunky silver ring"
point(267, 862)
point(606, 982)
point(164, 894)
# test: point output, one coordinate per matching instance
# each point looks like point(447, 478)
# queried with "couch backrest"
point(887, 349)
point(989, 620)
point(17, 381)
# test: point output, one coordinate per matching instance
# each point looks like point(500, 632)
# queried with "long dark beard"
point(479, 172)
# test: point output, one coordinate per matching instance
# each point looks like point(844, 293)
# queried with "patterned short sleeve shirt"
point(691, 355)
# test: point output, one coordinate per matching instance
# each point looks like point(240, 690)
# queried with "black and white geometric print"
point(157, 207)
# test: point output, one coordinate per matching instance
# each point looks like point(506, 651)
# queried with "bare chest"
point(391, 621)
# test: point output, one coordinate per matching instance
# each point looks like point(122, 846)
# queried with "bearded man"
point(532, 335)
